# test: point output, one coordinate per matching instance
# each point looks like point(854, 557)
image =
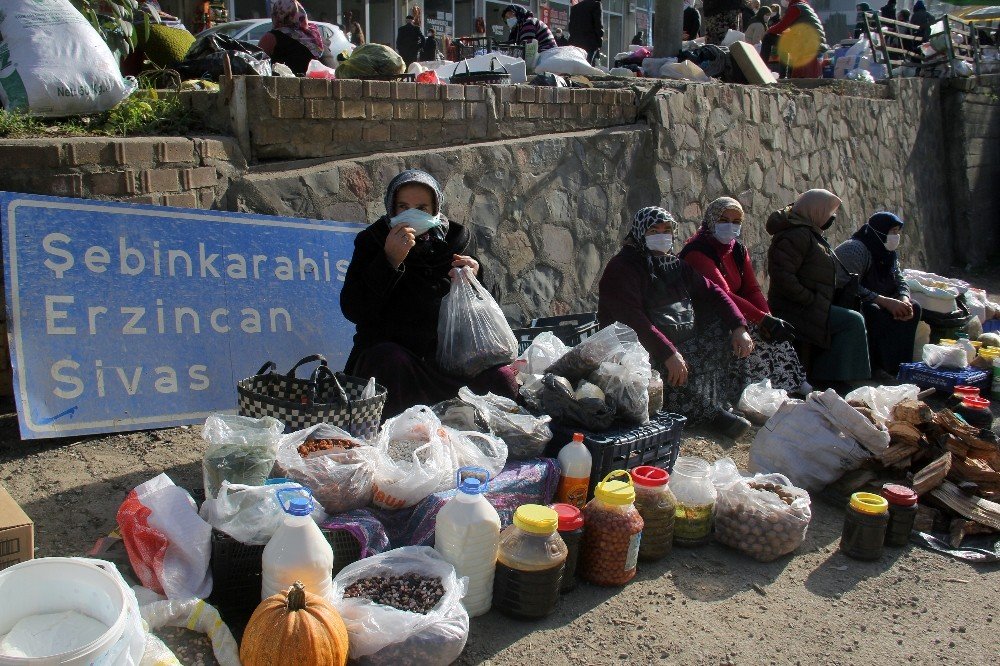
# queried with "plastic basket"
point(926, 377)
point(510, 50)
point(656, 443)
point(991, 326)
point(470, 47)
point(571, 329)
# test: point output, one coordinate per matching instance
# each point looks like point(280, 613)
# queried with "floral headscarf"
point(645, 218)
point(713, 214)
point(289, 17)
point(521, 13)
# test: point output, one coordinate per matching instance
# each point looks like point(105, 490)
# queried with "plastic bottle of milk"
point(298, 551)
point(574, 482)
point(467, 534)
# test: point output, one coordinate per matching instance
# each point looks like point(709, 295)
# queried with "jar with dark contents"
point(530, 564)
point(692, 486)
point(864, 526)
point(657, 506)
point(611, 541)
point(902, 513)
point(571, 526)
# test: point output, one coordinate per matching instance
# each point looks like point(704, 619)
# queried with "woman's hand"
point(677, 370)
point(901, 310)
point(462, 260)
point(742, 343)
point(398, 244)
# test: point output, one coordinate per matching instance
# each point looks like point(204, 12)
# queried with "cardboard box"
point(17, 532)
point(751, 64)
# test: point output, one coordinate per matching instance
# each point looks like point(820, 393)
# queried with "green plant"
point(115, 29)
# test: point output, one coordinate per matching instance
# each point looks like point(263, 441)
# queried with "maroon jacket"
point(623, 288)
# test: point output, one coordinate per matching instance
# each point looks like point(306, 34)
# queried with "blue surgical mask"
point(660, 242)
point(420, 221)
point(727, 231)
point(512, 21)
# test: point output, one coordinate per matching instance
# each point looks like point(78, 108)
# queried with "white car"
point(252, 30)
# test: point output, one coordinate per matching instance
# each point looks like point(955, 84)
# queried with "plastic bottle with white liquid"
point(467, 534)
point(298, 551)
point(574, 481)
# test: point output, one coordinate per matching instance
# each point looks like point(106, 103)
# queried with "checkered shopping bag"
point(326, 397)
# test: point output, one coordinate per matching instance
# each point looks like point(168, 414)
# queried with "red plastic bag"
point(430, 76)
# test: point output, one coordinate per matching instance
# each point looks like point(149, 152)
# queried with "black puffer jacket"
point(803, 276)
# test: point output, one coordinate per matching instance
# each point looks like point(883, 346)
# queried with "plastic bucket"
point(58, 584)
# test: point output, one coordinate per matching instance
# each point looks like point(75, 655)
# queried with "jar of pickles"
point(692, 486)
point(610, 547)
point(657, 506)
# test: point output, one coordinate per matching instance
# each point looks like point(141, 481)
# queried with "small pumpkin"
point(294, 627)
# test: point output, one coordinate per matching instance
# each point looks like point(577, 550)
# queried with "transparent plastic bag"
point(412, 459)
point(193, 615)
point(543, 351)
point(240, 450)
point(384, 635)
point(473, 334)
point(582, 360)
point(751, 517)
point(881, 399)
point(250, 514)
point(525, 434)
point(472, 449)
point(946, 357)
point(760, 401)
point(340, 480)
point(625, 382)
point(560, 402)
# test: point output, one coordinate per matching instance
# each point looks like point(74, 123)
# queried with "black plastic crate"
point(470, 47)
point(656, 443)
point(571, 329)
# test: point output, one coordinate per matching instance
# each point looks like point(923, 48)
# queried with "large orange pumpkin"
point(294, 627)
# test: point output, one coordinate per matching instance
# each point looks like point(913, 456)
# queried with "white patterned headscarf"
point(645, 218)
point(713, 214)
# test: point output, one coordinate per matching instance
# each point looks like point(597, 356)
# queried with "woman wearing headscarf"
point(923, 19)
point(294, 41)
point(524, 27)
point(691, 22)
point(716, 252)
point(392, 292)
point(758, 26)
point(859, 21)
point(890, 318)
point(804, 278)
point(691, 329)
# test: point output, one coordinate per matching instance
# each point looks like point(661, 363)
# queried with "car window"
point(229, 29)
point(258, 31)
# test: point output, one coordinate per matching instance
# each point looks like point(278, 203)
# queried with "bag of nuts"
point(763, 516)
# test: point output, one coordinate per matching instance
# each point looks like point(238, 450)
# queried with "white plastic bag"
point(686, 70)
point(815, 442)
point(384, 635)
point(525, 434)
point(168, 544)
point(881, 399)
point(53, 63)
point(250, 514)
point(340, 480)
point(193, 615)
point(733, 36)
point(565, 60)
point(317, 70)
point(543, 351)
point(760, 401)
point(473, 334)
point(754, 519)
point(948, 357)
point(240, 450)
point(472, 449)
point(625, 383)
point(582, 360)
point(412, 459)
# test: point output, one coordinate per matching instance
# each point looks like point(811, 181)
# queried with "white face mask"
point(727, 231)
point(512, 21)
point(892, 242)
point(660, 243)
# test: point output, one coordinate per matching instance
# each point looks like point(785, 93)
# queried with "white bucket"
point(59, 584)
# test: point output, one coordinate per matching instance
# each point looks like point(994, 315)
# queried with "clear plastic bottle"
point(613, 533)
point(297, 551)
point(530, 564)
point(467, 534)
point(575, 462)
point(691, 484)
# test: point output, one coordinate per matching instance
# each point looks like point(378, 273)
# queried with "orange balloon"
point(799, 45)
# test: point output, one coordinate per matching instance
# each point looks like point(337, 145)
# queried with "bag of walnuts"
point(763, 516)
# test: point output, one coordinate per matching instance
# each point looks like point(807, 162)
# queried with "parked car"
point(251, 30)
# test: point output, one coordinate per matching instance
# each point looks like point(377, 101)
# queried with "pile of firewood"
point(952, 466)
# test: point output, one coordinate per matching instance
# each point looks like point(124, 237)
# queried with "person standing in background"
point(859, 22)
point(429, 50)
point(409, 41)
point(758, 26)
point(353, 29)
point(586, 27)
point(922, 18)
point(561, 38)
point(889, 10)
point(692, 21)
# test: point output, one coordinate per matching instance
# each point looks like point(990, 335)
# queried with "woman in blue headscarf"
point(890, 318)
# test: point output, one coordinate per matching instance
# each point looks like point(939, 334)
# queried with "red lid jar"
point(899, 495)
point(963, 391)
point(649, 476)
point(976, 403)
point(570, 517)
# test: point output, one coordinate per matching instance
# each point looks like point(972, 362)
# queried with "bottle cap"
point(649, 476)
point(578, 437)
point(899, 495)
point(570, 517)
point(299, 506)
point(614, 492)
point(869, 503)
point(973, 402)
point(295, 501)
point(472, 486)
point(536, 519)
point(963, 391)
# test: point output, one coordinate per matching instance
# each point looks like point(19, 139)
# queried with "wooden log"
point(932, 475)
point(897, 452)
point(959, 529)
point(974, 508)
point(914, 412)
point(904, 433)
point(927, 517)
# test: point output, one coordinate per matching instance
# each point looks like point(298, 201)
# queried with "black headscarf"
point(873, 235)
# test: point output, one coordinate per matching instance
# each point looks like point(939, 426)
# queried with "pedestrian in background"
point(586, 27)
point(692, 20)
point(409, 41)
point(758, 26)
point(353, 29)
point(429, 50)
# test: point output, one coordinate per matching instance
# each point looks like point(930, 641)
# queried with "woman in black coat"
point(392, 292)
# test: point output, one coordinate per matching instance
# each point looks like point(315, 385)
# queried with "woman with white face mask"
point(392, 292)
point(524, 27)
point(717, 253)
point(890, 317)
point(693, 332)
